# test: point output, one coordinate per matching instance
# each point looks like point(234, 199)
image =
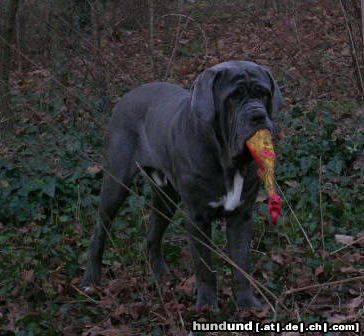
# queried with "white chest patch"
point(232, 199)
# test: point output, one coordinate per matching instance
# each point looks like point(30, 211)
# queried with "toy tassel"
point(261, 148)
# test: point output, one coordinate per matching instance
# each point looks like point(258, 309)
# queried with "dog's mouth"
point(244, 157)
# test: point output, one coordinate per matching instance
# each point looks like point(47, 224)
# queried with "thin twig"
point(174, 51)
point(158, 287)
point(348, 245)
point(199, 27)
point(214, 248)
point(90, 299)
point(52, 77)
point(321, 211)
point(151, 33)
point(313, 300)
point(353, 48)
point(294, 215)
point(332, 283)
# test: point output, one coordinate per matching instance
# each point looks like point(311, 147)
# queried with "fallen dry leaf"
point(336, 318)
point(355, 303)
point(174, 307)
point(344, 239)
point(292, 183)
point(349, 269)
point(360, 239)
point(106, 302)
point(187, 285)
point(133, 309)
point(116, 287)
point(99, 331)
point(277, 258)
point(94, 170)
point(262, 313)
point(319, 270)
point(28, 276)
point(112, 332)
point(262, 198)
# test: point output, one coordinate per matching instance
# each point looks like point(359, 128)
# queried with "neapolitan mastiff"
point(192, 143)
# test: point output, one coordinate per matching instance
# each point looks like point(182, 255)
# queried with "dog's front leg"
point(199, 232)
point(239, 233)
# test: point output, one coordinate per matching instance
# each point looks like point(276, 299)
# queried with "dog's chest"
point(231, 200)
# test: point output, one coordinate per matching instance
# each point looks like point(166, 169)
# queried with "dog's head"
point(237, 98)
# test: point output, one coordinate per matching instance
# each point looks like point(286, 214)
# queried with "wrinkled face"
point(243, 98)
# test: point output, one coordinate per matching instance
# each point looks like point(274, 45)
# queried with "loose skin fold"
point(261, 148)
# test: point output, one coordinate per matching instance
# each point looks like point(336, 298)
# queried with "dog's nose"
point(258, 117)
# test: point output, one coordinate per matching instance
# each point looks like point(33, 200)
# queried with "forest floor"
point(310, 265)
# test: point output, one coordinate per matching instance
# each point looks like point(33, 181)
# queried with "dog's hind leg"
point(118, 173)
point(160, 218)
point(199, 231)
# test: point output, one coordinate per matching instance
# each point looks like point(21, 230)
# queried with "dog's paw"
point(91, 277)
point(159, 268)
point(247, 299)
point(206, 298)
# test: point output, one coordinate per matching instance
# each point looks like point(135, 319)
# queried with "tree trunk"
point(61, 25)
point(69, 21)
point(82, 15)
point(352, 11)
point(362, 20)
point(101, 80)
point(7, 31)
point(61, 42)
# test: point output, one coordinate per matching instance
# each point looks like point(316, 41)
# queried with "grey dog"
point(192, 144)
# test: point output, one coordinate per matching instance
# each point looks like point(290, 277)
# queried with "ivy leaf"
point(49, 187)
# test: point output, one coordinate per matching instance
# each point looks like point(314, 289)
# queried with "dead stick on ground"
point(362, 20)
point(296, 218)
point(338, 282)
point(321, 211)
point(348, 245)
point(89, 298)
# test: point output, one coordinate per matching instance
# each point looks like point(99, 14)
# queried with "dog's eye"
point(261, 93)
point(265, 98)
point(239, 93)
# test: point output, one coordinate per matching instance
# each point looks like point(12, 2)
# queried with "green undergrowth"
point(49, 185)
point(319, 169)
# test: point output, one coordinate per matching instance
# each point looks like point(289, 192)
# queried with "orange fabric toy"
point(261, 148)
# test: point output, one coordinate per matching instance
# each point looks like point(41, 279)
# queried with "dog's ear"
point(277, 98)
point(202, 98)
